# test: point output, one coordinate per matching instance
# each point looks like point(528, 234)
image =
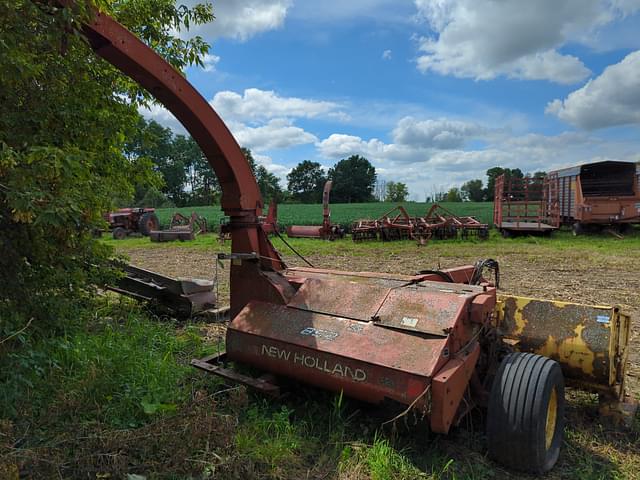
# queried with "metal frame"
point(527, 205)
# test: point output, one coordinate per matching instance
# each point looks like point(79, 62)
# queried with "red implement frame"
point(438, 223)
point(327, 231)
point(526, 205)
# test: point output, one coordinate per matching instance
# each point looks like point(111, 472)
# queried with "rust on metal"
point(588, 341)
point(185, 297)
point(360, 358)
point(448, 388)
point(526, 205)
point(215, 364)
point(438, 223)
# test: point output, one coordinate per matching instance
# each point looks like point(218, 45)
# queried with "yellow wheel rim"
point(552, 414)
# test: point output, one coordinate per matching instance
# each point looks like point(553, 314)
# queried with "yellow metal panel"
point(589, 341)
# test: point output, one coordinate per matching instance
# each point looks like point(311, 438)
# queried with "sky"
point(431, 92)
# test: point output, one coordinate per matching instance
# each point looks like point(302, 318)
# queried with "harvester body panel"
point(589, 341)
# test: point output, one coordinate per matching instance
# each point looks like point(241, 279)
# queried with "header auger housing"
point(432, 341)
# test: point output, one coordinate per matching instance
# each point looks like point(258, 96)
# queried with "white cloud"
point(276, 134)
point(611, 99)
point(483, 39)
point(256, 104)
point(277, 169)
point(416, 159)
point(439, 134)
point(164, 117)
point(210, 62)
point(242, 19)
point(386, 55)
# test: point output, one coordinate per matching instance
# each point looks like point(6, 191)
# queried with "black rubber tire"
point(577, 229)
point(119, 233)
point(517, 415)
point(148, 222)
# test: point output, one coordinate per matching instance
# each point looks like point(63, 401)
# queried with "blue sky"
point(433, 93)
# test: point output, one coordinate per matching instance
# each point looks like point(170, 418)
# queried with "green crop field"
point(341, 213)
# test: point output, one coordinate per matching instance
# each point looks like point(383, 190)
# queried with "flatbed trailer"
point(526, 206)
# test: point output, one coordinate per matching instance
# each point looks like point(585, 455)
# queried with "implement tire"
point(525, 421)
point(147, 223)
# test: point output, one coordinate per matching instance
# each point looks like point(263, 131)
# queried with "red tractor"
point(125, 221)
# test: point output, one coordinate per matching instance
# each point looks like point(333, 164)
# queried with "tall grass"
point(119, 368)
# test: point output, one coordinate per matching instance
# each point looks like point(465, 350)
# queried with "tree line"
point(183, 177)
point(475, 190)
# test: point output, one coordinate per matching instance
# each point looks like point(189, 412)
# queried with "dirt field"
point(599, 275)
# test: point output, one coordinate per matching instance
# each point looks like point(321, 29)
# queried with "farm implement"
point(326, 231)
point(439, 223)
point(181, 228)
point(439, 343)
point(183, 296)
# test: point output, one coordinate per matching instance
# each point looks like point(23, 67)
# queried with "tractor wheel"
point(525, 421)
point(119, 233)
point(148, 222)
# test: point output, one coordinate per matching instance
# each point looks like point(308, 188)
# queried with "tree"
point(354, 179)
point(202, 184)
point(306, 182)
point(494, 173)
point(64, 115)
point(396, 192)
point(268, 183)
point(473, 191)
point(453, 195)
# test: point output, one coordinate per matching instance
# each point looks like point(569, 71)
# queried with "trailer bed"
point(527, 226)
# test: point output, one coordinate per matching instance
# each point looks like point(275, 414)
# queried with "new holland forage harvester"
point(439, 342)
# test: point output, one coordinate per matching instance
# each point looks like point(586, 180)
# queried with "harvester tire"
point(119, 233)
point(148, 222)
point(525, 420)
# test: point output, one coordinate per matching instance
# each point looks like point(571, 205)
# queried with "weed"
point(268, 438)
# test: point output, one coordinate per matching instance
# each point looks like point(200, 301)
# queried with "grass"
point(115, 396)
point(341, 213)
point(561, 240)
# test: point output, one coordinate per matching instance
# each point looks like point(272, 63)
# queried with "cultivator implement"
point(439, 223)
point(439, 342)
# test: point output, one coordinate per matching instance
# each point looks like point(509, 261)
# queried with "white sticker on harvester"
point(409, 322)
point(602, 318)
